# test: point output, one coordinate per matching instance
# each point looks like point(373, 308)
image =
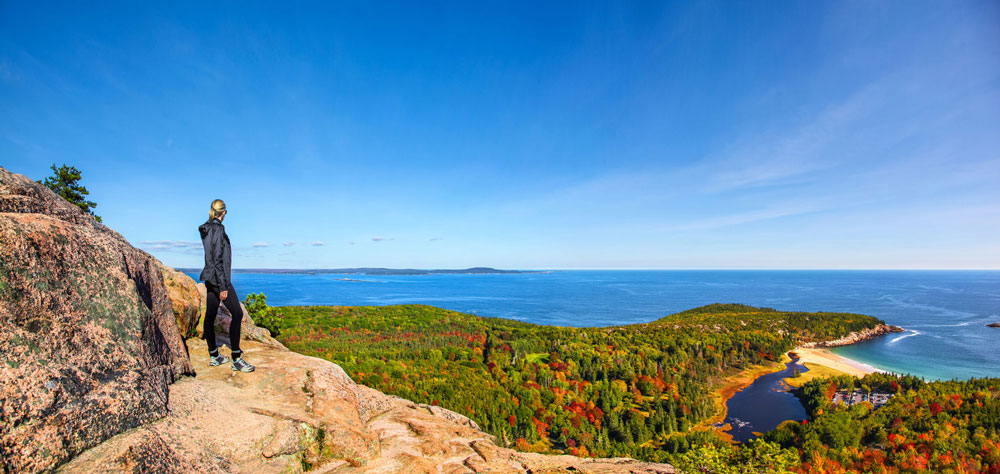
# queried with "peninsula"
point(637, 390)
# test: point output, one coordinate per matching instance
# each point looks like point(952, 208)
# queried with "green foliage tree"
point(65, 181)
point(938, 426)
point(643, 390)
point(262, 314)
point(634, 390)
point(755, 457)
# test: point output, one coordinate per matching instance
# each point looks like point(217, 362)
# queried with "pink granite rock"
point(88, 338)
point(298, 413)
point(184, 298)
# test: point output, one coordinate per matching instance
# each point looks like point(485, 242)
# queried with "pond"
point(764, 404)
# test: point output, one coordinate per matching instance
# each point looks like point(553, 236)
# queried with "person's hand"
point(223, 295)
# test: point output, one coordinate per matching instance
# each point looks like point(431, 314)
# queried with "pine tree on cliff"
point(65, 182)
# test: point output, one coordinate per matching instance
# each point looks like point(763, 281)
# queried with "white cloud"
point(377, 239)
point(288, 244)
point(435, 239)
point(317, 243)
point(742, 218)
point(260, 244)
point(169, 244)
point(791, 152)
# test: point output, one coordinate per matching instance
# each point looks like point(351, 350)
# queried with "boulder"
point(89, 342)
point(184, 298)
point(993, 325)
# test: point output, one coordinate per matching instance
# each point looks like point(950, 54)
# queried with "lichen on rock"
point(88, 338)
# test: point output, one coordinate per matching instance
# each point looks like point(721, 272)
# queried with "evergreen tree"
point(65, 181)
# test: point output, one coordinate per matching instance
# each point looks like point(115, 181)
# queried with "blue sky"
point(561, 135)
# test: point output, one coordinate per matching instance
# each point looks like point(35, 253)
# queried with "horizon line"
point(251, 270)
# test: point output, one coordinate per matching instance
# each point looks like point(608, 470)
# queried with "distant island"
point(371, 271)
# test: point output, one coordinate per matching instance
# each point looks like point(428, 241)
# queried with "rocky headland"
point(102, 371)
point(855, 337)
point(993, 325)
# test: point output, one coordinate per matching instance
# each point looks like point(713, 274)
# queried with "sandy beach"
point(828, 359)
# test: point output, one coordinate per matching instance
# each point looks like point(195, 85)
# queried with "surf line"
point(904, 336)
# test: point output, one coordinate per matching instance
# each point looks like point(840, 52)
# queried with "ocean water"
point(944, 312)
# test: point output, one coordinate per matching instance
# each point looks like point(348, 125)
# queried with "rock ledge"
point(296, 412)
point(857, 336)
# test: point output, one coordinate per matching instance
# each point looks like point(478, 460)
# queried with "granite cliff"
point(88, 338)
point(95, 337)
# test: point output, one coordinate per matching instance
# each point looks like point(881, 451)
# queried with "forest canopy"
point(648, 390)
point(620, 390)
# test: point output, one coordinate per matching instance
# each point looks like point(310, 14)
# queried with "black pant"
point(232, 303)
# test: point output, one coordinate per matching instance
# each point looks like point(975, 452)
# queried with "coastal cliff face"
point(857, 336)
point(93, 357)
point(88, 337)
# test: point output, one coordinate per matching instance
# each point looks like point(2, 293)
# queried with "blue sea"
point(944, 312)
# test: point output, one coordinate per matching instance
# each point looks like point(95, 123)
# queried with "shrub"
point(262, 314)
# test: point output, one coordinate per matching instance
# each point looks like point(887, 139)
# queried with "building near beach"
point(844, 397)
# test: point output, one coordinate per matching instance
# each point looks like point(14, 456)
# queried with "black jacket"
point(218, 254)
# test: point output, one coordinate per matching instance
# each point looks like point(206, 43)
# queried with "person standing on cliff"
point(219, 286)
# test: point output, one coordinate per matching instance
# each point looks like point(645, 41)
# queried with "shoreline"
point(819, 354)
point(732, 384)
point(817, 357)
point(837, 362)
point(855, 337)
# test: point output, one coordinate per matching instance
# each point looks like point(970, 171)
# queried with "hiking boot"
point(217, 360)
point(242, 365)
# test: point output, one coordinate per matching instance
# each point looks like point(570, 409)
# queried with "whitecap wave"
point(904, 336)
point(943, 289)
